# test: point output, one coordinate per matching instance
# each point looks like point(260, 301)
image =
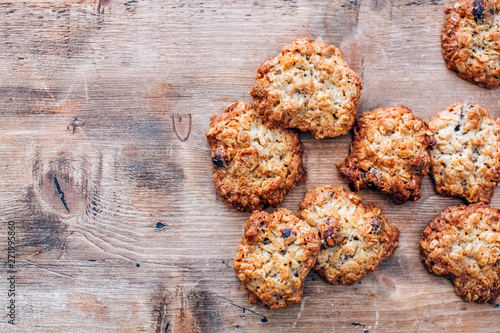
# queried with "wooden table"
point(106, 173)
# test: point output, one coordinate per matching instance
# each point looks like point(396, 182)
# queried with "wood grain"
point(106, 173)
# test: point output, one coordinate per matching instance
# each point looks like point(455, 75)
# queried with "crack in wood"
point(48, 270)
point(263, 319)
point(61, 193)
point(162, 313)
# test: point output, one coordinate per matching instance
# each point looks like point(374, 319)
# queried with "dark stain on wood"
point(151, 171)
point(160, 312)
point(206, 311)
point(44, 101)
point(415, 3)
point(160, 225)
point(155, 175)
point(15, 100)
point(352, 7)
point(423, 3)
point(101, 4)
point(150, 128)
point(346, 12)
point(41, 230)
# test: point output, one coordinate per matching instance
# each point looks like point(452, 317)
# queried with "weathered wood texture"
point(108, 102)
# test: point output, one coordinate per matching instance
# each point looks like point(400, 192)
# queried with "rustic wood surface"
point(107, 103)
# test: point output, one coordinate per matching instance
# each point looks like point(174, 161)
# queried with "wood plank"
point(108, 102)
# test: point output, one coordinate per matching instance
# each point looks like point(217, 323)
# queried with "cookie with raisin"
point(389, 152)
point(471, 41)
point(354, 239)
point(254, 163)
point(276, 253)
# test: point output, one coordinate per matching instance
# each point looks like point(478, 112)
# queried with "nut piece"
point(390, 151)
point(465, 162)
point(354, 239)
point(254, 163)
point(471, 41)
point(463, 245)
point(309, 86)
point(276, 253)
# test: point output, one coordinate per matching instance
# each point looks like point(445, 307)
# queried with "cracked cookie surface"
point(309, 86)
point(463, 245)
point(390, 152)
point(254, 163)
point(465, 162)
point(276, 253)
point(471, 40)
point(354, 238)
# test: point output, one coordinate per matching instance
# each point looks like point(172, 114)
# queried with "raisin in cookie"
point(354, 239)
point(276, 253)
point(309, 86)
point(389, 152)
point(463, 245)
point(471, 40)
point(465, 162)
point(254, 163)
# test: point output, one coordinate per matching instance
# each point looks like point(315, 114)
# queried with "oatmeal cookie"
point(389, 151)
point(354, 239)
point(254, 163)
point(465, 162)
point(276, 253)
point(309, 86)
point(463, 245)
point(471, 40)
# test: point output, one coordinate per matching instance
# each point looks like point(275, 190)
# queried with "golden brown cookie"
point(389, 152)
point(465, 162)
point(254, 163)
point(309, 86)
point(354, 239)
point(471, 40)
point(276, 253)
point(463, 245)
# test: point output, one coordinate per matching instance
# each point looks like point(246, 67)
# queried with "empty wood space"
point(107, 176)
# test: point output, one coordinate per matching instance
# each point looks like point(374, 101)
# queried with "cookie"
point(354, 239)
point(463, 245)
point(471, 41)
point(389, 152)
point(309, 86)
point(276, 253)
point(465, 162)
point(254, 163)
